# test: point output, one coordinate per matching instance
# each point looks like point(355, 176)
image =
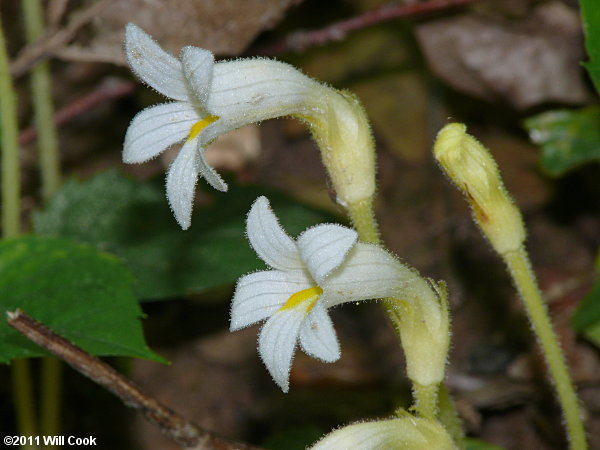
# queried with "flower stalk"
point(519, 267)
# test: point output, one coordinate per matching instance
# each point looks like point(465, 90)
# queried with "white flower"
point(404, 433)
point(324, 267)
point(210, 99)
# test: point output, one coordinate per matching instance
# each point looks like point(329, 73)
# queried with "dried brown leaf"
point(226, 27)
point(524, 62)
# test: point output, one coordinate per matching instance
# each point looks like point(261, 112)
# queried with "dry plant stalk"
point(177, 428)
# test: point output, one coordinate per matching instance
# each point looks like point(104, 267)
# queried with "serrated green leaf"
point(568, 138)
point(590, 16)
point(82, 294)
point(478, 444)
point(133, 220)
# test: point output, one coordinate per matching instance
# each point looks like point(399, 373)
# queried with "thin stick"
point(42, 48)
point(301, 40)
point(109, 91)
point(174, 426)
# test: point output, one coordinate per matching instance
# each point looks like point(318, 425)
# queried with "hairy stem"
point(449, 416)
point(426, 401)
point(363, 219)
point(520, 270)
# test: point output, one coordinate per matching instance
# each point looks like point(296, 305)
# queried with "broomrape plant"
point(325, 266)
point(328, 264)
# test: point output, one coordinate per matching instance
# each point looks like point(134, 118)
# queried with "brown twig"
point(301, 40)
point(184, 433)
point(55, 13)
point(107, 91)
point(50, 41)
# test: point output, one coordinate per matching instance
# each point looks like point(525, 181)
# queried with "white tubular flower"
point(325, 266)
point(211, 99)
point(405, 433)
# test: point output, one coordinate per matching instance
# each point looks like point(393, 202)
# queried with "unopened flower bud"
point(471, 167)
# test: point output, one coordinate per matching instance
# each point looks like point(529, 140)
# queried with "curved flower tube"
point(211, 99)
point(324, 267)
point(404, 433)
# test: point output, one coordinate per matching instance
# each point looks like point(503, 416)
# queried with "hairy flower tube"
point(324, 267)
point(211, 99)
point(404, 433)
point(424, 327)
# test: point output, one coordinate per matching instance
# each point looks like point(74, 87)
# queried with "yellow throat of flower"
point(201, 125)
point(308, 296)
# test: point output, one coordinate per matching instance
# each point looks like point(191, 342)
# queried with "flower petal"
point(368, 272)
point(181, 183)
point(153, 65)
point(404, 433)
point(317, 336)
point(260, 294)
point(270, 242)
point(198, 66)
point(324, 247)
point(384, 434)
point(209, 174)
point(277, 342)
point(157, 128)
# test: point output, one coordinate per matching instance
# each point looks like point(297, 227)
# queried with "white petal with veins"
point(153, 65)
point(181, 182)
point(317, 336)
point(209, 174)
point(198, 66)
point(260, 294)
point(324, 247)
point(157, 128)
point(270, 242)
point(277, 342)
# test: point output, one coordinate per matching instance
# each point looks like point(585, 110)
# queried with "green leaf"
point(80, 293)
point(477, 444)
point(568, 138)
point(586, 318)
point(133, 220)
point(590, 16)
